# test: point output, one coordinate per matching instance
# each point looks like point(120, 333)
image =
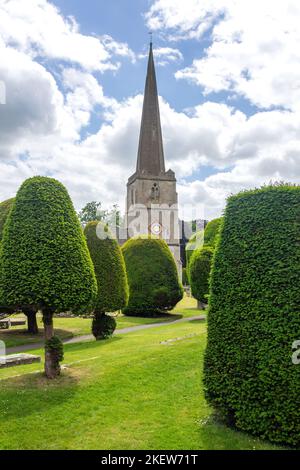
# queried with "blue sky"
point(228, 76)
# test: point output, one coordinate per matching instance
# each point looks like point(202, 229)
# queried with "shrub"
point(206, 237)
point(152, 276)
point(5, 208)
point(110, 272)
point(44, 257)
point(211, 232)
point(196, 241)
point(200, 266)
point(103, 326)
point(254, 314)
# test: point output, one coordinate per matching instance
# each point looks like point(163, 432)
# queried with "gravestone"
point(18, 360)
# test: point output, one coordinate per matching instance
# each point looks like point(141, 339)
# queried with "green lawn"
point(70, 327)
point(135, 391)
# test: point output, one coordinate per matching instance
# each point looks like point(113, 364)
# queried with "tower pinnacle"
point(150, 159)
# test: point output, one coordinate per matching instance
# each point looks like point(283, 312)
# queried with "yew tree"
point(45, 261)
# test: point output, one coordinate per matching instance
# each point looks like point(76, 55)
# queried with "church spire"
point(150, 159)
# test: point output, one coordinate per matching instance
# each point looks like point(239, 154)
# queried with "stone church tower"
point(152, 205)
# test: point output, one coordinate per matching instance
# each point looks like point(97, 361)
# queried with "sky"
point(72, 76)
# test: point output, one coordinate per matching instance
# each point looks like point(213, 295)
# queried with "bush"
point(103, 326)
point(152, 276)
point(110, 272)
point(206, 237)
point(200, 266)
point(254, 314)
point(196, 241)
point(5, 208)
point(44, 257)
point(211, 232)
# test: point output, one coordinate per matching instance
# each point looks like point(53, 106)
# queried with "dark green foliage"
point(200, 266)
point(152, 276)
point(211, 232)
point(5, 208)
point(109, 268)
point(44, 257)
point(103, 326)
point(254, 314)
point(55, 346)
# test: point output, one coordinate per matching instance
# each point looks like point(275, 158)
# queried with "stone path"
point(80, 339)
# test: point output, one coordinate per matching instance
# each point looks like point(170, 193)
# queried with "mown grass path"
point(80, 339)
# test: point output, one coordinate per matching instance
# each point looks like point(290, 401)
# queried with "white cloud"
point(254, 49)
point(184, 19)
point(41, 122)
point(36, 27)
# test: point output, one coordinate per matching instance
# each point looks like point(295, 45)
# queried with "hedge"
point(5, 208)
point(196, 241)
point(44, 257)
point(152, 276)
point(254, 315)
point(200, 266)
point(211, 232)
point(111, 276)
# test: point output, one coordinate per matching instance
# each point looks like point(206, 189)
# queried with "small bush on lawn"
point(200, 267)
point(152, 276)
point(254, 314)
point(111, 277)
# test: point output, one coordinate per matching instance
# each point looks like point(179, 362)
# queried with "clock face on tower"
point(156, 228)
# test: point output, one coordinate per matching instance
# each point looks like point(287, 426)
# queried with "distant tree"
point(91, 212)
point(111, 277)
point(45, 262)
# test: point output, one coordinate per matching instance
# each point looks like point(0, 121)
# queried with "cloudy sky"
point(229, 82)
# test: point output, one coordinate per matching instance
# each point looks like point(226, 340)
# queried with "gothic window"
point(155, 192)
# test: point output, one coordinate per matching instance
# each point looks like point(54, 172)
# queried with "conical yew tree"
point(45, 260)
point(111, 277)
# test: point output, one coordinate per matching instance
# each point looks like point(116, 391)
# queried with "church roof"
point(150, 161)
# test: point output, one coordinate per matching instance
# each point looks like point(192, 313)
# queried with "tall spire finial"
point(151, 37)
point(150, 153)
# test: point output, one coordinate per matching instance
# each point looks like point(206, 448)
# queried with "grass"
point(69, 327)
point(135, 391)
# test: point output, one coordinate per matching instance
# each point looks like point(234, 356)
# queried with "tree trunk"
point(200, 305)
point(32, 326)
point(52, 367)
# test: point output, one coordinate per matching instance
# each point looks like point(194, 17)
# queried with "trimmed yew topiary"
point(211, 232)
point(254, 315)
point(200, 267)
point(45, 261)
point(152, 276)
point(196, 241)
point(111, 277)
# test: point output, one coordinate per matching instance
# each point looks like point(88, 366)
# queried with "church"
point(152, 201)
